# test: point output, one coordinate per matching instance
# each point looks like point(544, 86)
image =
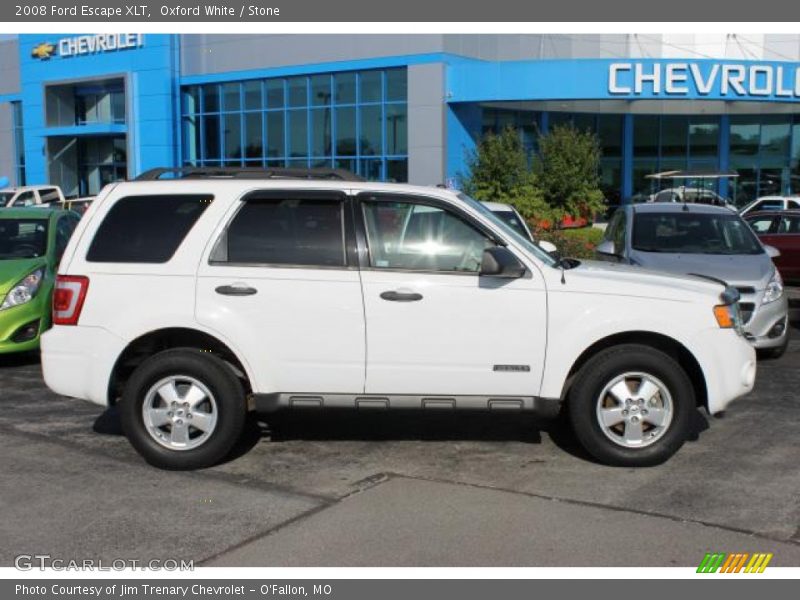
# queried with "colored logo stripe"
point(733, 563)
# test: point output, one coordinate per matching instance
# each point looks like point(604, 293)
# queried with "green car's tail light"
point(68, 296)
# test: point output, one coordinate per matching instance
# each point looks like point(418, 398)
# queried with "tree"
point(567, 171)
point(498, 171)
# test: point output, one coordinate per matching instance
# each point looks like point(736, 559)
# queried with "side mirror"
point(499, 261)
point(772, 251)
point(606, 247)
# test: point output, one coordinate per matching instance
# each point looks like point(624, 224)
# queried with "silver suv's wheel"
point(183, 409)
point(180, 412)
point(631, 405)
point(634, 409)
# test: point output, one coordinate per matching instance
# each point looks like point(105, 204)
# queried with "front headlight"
point(774, 289)
point(24, 291)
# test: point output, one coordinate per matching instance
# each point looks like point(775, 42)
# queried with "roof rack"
point(249, 173)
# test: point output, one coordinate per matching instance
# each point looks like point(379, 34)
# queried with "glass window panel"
point(321, 132)
point(321, 90)
point(290, 232)
point(673, 137)
point(346, 131)
point(775, 136)
point(370, 86)
point(370, 168)
point(796, 142)
point(745, 187)
point(298, 91)
point(118, 107)
point(145, 229)
point(745, 135)
point(211, 137)
point(231, 97)
point(396, 85)
point(610, 133)
point(584, 122)
point(371, 130)
point(344, 88)
point(704, 138)
point(556, 118)
point(396, 130)
point(252, 95)
point(348, 164)
point(769, 182)
point(297, 163)
point(298, 133)
point(211, 98)
point(190, 99)
point(275, 93)
point(275, 134)
point(418, 237)
point(318, 163)
point(276, 163)
point(397, 170)
point(254, 135)
point(645, 135)
point(233, 135)
point(641, 185)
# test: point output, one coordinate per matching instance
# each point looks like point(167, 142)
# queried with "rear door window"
point(146, 229)
point(290, 230)
point(789, 225)
point(762, 225)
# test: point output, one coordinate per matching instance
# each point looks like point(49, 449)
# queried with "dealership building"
point(84, 110)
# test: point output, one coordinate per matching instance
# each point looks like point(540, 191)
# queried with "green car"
point(32, 241)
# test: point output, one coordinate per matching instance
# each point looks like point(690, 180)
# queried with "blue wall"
point(151, 74)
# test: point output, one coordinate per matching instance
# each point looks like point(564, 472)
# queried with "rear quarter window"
point(146, 229)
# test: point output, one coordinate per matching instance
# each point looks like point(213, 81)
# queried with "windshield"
point(519, 238)
point(5, 198)
point(22, 238)
point(693, 233)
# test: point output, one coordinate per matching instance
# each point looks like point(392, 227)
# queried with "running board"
point(265, 403)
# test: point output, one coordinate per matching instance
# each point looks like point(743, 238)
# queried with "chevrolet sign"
point(88, 44)
point(703, 79)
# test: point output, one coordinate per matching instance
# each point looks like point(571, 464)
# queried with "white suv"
point(189, 302)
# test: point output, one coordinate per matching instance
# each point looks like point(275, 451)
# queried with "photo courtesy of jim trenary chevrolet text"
point(348, 299)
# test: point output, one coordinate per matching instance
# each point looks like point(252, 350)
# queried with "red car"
point(780, 229)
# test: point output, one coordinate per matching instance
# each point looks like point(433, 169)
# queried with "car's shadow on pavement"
point(406, 426)
point(22, 359)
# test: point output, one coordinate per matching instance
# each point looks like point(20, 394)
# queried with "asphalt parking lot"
point(399, 489)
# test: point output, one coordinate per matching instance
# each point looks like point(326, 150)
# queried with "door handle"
point(394, 296)
point(236, 290)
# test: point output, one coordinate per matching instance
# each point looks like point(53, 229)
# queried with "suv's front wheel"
point(183, 409)
point(631, 405)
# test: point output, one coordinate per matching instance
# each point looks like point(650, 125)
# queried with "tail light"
point(68, 296)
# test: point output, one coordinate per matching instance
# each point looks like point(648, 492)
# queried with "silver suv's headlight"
point(24, 291)
point(774, 289)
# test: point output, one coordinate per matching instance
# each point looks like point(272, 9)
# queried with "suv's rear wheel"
point(183, 409)
point(631, 406)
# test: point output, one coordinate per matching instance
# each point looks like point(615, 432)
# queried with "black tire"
point(216, 376)
point(602, 369)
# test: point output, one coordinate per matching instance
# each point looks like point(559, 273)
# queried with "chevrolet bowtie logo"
point(44, 51)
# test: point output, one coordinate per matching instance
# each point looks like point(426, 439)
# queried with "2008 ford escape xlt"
point(190, 301)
